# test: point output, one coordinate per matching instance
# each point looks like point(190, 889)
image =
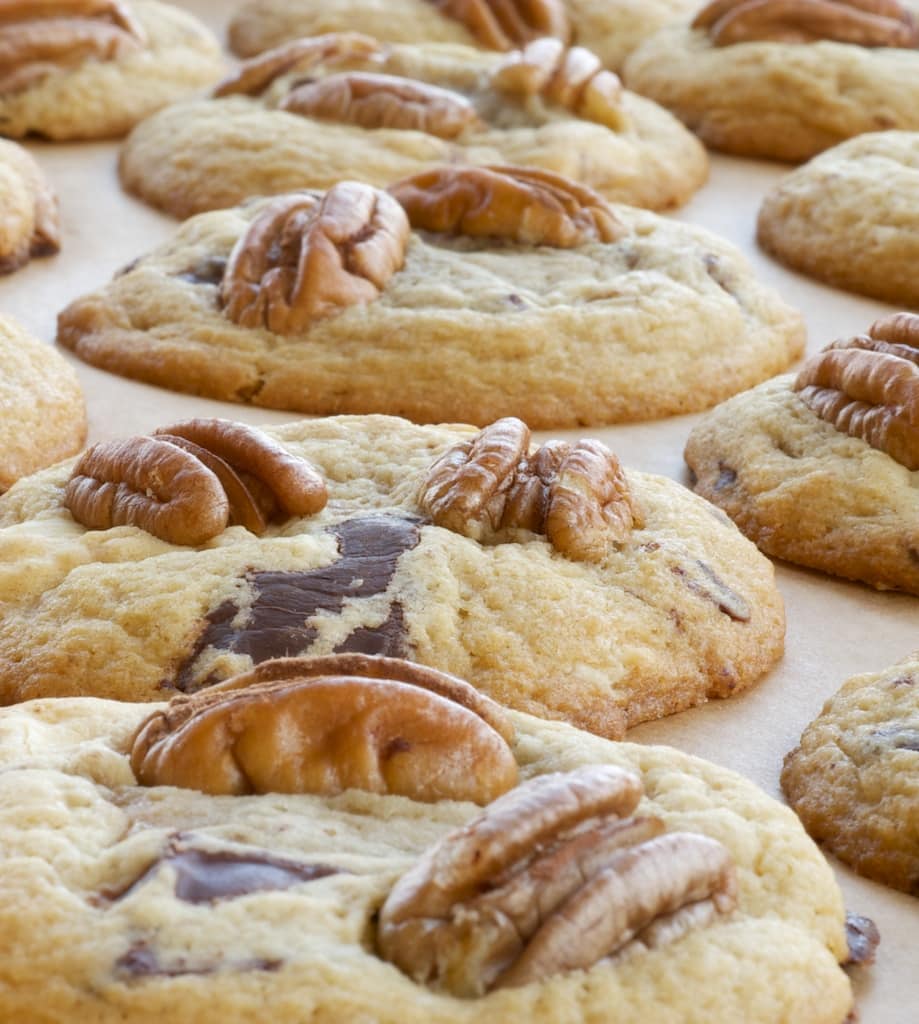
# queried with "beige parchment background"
point(835, 629)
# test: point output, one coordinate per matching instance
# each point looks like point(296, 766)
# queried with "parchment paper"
point(835, 629)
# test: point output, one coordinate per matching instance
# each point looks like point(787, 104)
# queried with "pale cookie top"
point(611, 28)
point(311, 115)
point(823, 468)
point(543, 316)
point(29, 222)
point(666, 605)
point(42, 417)
point(788, 79)
point(203, 905)
point(90, 69)
point(849, 217)
point(854, 778)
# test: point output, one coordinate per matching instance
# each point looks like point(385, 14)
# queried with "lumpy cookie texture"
point(256, 138)
point(29, 221)
point(197, 903)
point(847, 217)
point(854, 777)
point(805, 490)
point(680, 610)
point(665, 319)
point(103, 96)
point(42, 416)
point(776, 99)
point(611, 28)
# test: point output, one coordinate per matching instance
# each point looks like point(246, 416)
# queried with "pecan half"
point(323, 725)
point(254, 76)
point(191, 481)
point(504, 24)
point(41, 37)
point(548, 879)
point(868, 387)
point(575, 494)
point(383, 101)
point(303, 258)
point(571, 77)
point(862, 22)
point(523, 205)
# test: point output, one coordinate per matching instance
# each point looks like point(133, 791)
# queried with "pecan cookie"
point(823, 468)
point(29, 224)
point(854, 778)
point(785, 79)
point(552, 579)
point(847, 217)
point(90, 69)
point(320, 110)
point(291, 846)
point(544, 301)
point(42, 417)
point(611, 28)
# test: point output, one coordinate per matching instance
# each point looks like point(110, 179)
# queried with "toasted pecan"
point(504, 24)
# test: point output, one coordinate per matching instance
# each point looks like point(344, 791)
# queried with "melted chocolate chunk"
point(898, 738)
point(205, 876)
point(716, 271)
point(901, 681)
point(717, 591)
point(141, 961)
point(726, 477)
point(283, 603)
point(863, 938)
point(206, 271)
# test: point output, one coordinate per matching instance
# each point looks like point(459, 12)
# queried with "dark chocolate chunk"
point(206, 271)
point(283, 603)
point(863, 938)
point(716, 591)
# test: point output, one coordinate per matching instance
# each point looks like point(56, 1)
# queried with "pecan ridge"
point(490, 485)
point(504, 24)
point(517, 203)
point(323, 725)
point(571, 77)
point(304, 258)
point(383, 101)
point(872, 23)
point(191, 480)
point(868, 387)
point(38, 39)
point(550, 877)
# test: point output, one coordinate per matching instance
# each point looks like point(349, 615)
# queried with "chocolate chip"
point(278, 617)
point(901, 681)
point(716, 271)
point(898, 738)
point(205, 876)
point(206, 271)
point(515, 300)
point(726, 477)
point(716, 590)
point(863, 938)
point(141, 961)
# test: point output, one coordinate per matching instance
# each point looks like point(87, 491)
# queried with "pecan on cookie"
point(862, 22)
point(504, 24)
point(305, 258)
point(868, 386)
point(551, 877)
point(190, 481)
point(577, 495)
point(323, 725)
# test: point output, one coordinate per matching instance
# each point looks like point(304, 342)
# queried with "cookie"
point(567, 587)
point(823, 468)
point(854, 777)
point(367, 902)
point(91, 69)
point(610, 28)
point(544, 301)
point(42, 417)
point(29, 224)
point(318, 111)
point(846, 218)
point(784, 80)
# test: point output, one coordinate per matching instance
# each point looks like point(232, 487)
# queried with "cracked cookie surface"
point(196, 903)
point(558, 337)
point(848, 217)
point(854, 777)
point(683, 610)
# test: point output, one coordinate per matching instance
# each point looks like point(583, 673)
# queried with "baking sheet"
point(835, 629)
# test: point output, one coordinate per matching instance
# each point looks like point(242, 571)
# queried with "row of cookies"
point(141, 958)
